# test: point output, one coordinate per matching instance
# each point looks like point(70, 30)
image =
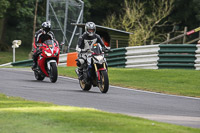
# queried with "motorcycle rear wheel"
point(104, 85)
point(53, 73)
point(38, 76)
point(84, 86)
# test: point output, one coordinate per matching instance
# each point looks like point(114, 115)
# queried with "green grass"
point(20, 54)
point(21, 116)
point(170, 81)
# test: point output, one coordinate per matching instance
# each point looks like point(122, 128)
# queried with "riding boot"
point(34, 65)
point(79, 72)
point(34, 61)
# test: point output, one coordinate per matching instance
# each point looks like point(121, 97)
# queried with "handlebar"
point(103, 50)
point(107, 50)
point(39, 44)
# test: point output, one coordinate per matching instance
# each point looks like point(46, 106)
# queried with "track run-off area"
point(173, 109)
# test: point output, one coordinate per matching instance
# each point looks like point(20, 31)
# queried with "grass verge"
point(19, 115)
point(20, 54)
point(170, 81)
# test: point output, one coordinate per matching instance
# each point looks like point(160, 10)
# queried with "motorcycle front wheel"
point(38, 76)
point(104, 84)
point(85, 86)
point(53, 73)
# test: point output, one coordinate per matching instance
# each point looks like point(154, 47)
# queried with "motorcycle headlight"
point(99, 59)
point(47, 54)
point(56, 52)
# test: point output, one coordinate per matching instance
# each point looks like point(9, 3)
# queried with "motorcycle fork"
point(104, 65)
point(97, 73)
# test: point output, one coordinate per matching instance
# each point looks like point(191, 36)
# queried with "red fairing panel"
point(41, 63)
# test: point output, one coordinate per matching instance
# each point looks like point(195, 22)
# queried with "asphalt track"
point(173, 109)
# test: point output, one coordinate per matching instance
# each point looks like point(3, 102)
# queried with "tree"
point(142, 19)
point(4, 5)
point(18, 20)
point(186, 13)
point(87, 13)
point(101, 8)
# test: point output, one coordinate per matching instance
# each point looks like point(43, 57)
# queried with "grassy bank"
point(20, 54)
point(19, 115)
point(170, 81)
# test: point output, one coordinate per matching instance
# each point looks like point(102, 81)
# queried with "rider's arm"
point(99, 40)
point(50, 33)
point(80, 42)
point(37, 36)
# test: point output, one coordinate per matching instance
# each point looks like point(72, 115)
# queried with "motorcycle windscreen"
point(96, 49)
point(49, 43)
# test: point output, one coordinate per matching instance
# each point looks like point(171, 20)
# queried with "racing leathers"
point(84, 43)
point(40, 37)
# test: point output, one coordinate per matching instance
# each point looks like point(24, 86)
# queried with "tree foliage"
point(138, 16)
point(4, 4)
point(142, 21)
point(18, 21)
point(101, 8)
point(87, 13)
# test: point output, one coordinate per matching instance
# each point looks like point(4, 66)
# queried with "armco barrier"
point(185, 56)
point(197, 61)
point(116, 58)
point(62, 58)
point(145, 57)
point(62, 61)
point(6, 64)
point(23, 63)
point(142, 50)
point(177, 56)
point(170, 56)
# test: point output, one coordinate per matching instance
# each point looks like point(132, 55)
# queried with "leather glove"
point(104, 49)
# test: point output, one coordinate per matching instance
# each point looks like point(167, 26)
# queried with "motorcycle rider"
point(85, 41)
point(41, 35)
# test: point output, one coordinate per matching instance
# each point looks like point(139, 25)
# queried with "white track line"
point(130, 89)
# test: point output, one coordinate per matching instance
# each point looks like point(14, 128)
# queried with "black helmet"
point(90, 28)
point(46, 26)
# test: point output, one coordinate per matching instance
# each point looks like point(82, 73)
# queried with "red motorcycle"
point(47, 61)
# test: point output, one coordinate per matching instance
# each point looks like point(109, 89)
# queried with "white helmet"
point(46, 26)
point(90, 28)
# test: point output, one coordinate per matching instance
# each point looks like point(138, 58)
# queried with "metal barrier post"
point(13, 54)
point(47, 11)
point(16, 44)
point(74, 30)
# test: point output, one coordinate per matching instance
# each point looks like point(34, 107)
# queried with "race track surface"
point(178, 110)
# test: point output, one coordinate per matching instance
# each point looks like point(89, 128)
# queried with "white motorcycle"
point(95, 70)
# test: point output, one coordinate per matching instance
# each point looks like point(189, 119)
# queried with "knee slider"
point(79, 62)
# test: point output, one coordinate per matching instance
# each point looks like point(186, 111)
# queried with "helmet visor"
point(91, 30)
point(47, 29)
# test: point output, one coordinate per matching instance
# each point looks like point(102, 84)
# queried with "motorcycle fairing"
point(41, 64)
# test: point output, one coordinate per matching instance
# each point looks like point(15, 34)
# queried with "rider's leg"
point(80, 64)
point(35, 56)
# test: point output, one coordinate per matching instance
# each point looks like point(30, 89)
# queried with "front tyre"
point(85, 86)
point(53, 73)
point(38, 76)
point(104, 84)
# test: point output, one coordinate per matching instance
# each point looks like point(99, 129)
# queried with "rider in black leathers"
point(40, 36)
point(85, 41)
